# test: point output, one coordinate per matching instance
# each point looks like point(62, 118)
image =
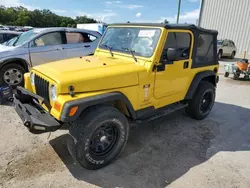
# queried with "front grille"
point(42, 87)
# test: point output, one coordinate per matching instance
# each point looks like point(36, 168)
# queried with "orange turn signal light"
point(73, 110)
point(57, 106)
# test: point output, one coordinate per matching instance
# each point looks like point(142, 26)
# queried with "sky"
point(114, 11)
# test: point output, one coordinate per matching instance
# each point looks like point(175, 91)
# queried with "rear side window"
point(74, 38)
point(232, 43)
point(205, 48)
point(226, 43)
point(92, 37)
point(48, 39)
point(88, 38)
point(181, 41)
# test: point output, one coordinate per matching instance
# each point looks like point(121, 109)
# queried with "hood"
point(6, 51)
point(4, 48)
point(91, 73)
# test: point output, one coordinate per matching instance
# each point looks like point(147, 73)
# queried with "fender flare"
point(94, 100)
point(197, 79)
point(24, 63)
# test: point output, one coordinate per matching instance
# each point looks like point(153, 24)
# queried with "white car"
point(226, 48)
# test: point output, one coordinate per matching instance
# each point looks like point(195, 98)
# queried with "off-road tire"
point(79, 142)
point(11, 66)
point(194, 105)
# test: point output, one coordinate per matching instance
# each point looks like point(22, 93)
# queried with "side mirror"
point(172, 54)
point(169, 56)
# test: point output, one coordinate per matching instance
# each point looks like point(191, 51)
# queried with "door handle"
point(87, 46)
point(185, 65)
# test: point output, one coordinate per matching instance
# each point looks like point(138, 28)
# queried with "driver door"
point(172, 79)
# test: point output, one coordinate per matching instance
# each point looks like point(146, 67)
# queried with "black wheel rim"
point(206, 102)
point(104, 139)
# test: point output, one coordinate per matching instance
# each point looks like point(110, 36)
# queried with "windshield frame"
point(100, 45)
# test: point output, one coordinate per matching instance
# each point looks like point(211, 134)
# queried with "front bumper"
point(34, 117)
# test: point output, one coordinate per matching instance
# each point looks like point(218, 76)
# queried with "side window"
point(92, 37)
point(1, 38)
point(231, 43)
point(181, 41)
point(48, 39)
point(225, 43)
point(205, 49)
point(74, 38)
point(88, 38)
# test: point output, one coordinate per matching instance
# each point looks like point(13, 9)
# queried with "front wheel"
point(12, 74)
point(219, 55)
point(98, 137)
point(202, 102)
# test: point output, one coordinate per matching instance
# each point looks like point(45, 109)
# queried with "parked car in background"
point(43, 45)
point(7, 35)
point(226, 48)
point(3, 27)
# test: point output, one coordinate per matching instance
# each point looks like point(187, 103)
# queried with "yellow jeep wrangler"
point(138, 73)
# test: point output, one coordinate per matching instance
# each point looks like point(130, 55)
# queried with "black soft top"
point(192, 27)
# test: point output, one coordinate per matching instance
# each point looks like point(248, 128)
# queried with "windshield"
point(24, 37)
point(219, 42)
point(142, 41)
point(10, 42)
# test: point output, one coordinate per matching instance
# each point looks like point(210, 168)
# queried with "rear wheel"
point(98, 137)
point(236, 75)
point(202, 102)
point(232, 55)
point(12, 74)
point(226, 74)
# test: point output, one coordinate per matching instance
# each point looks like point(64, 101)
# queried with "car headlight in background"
point(32, 78)
point(52, 92)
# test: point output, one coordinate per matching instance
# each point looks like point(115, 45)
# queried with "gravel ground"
point(174, 151)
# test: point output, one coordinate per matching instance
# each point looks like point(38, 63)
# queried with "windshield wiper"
point(14, 43)
point(110, 49)
point(132, 53)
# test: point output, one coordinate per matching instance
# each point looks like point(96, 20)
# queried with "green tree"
point(20, 16)
point(84, 19)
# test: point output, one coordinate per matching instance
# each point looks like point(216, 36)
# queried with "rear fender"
point(209, 76)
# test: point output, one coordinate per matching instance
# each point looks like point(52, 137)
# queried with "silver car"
point(44, 45)
point(226, 48)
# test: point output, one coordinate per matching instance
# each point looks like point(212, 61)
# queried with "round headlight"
point(32, 78)
point(52, 92)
